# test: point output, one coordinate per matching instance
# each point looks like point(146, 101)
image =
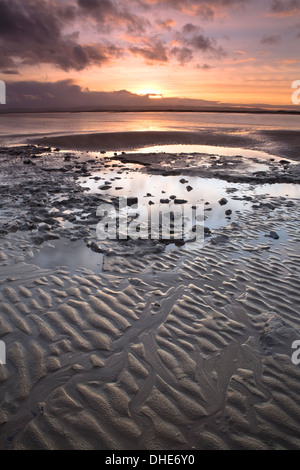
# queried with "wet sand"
point(131, 140)
point(158, 349)
point(279, 142)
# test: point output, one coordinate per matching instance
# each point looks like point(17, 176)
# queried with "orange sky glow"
point(223, 52)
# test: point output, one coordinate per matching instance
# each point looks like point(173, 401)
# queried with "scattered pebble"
point(223, 201)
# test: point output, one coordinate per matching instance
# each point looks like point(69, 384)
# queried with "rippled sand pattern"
point(178, 350)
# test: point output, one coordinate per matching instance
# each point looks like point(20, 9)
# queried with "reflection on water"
point(63, 252)
point(206, 149)
point(153, 189)
point(44, 124)
point(218, 151)
point(75, 255)
point(204, 190)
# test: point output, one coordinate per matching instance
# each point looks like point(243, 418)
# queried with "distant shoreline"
point(154, 110)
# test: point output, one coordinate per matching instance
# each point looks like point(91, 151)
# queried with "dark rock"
point(267, 205)
point(180, 201)
point(219, 239)
point(13, 227)
point(223, 201)
point(274, 235)
point(179, 243)
point(96, 248)
point(44, 228)
point(38, 240)
point(51, 236)
point(231, 190)
point(131, 201)
point(228, 213)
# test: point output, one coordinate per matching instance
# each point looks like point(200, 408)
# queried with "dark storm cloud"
point(271, 39)
point(5, 61)
point(10, 72)
point(95, 4)
point(154, 51)
point(297, 29)
point(188, 41)
point(204, 67)
point(206, 45)
point(189, 28)
point(32, 21)
point(167, 24)
point(33, 31)
point(67, 95)
point(285, 8)
point(205, 9)
point(191, 36)
point(111, 14)
point(182, 54)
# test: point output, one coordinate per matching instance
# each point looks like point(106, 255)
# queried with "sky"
point(73, 53)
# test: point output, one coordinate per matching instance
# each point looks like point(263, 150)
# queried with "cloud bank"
point(34, 32)
point(66, 94)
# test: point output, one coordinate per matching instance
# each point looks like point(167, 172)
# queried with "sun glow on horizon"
point(151, 92)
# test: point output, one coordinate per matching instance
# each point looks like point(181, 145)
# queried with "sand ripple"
point(175, 350)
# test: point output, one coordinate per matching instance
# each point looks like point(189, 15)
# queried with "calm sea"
point(17, 128)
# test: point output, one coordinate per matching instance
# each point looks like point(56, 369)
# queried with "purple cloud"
point(271, 39)
point(285, 8)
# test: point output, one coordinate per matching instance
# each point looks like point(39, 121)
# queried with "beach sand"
point(157, 348)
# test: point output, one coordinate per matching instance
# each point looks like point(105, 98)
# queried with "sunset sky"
point(109, 52)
